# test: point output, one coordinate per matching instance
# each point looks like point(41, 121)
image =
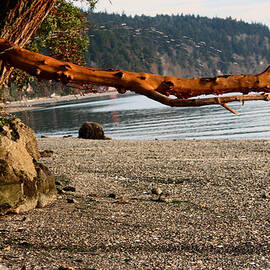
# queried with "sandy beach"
point(214, 212)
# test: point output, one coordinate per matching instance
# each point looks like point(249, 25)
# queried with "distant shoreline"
point(34, 104)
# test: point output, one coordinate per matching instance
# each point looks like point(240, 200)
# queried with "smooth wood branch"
point(153, 86)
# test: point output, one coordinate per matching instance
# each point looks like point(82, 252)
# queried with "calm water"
point(137, 117)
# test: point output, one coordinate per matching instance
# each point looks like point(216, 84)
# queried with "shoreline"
point(34, 104)
point(214, 212)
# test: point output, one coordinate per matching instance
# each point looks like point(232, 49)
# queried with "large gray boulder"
point(24, 182)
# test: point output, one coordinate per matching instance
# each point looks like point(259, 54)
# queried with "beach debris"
point(46, 153)
point(44, 136)
point(92, 130)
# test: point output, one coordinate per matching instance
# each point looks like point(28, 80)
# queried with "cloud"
point(149, 7)
point(249, 11)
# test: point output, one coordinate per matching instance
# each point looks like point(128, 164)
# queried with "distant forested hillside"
point(179, 45)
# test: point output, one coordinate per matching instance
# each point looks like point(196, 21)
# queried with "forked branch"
point(155, 87)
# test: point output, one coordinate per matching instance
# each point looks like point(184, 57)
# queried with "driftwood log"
point(155, 87)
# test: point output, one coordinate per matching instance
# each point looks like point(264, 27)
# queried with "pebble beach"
point(213, 211)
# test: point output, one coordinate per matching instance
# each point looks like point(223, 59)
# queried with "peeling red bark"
point(153, 86)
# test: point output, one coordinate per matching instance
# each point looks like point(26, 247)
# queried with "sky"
point(246, 10)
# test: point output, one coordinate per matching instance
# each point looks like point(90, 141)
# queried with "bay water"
point(137, 117)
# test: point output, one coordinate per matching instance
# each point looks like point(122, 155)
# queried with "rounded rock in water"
point(92, 130)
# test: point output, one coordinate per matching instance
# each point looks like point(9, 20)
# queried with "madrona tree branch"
point(155, 87)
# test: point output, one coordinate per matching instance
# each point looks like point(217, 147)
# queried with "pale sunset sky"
point(247, 10)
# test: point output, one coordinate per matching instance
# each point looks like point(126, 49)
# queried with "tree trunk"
point(19, 19)
point(152, 86)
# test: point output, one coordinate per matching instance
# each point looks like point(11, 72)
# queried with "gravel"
point(213, 212)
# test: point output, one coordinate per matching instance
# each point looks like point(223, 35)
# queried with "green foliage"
point(62, 35)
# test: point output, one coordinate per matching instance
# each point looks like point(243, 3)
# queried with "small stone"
point(78, 260)
point(112, 195)
point(67, 136)
point(157, 191)
point(265, 195)
point(70, 200)
point(66, 267)
point(69, 188)
point(46, 153)
point(57, 183)
point(59, 190)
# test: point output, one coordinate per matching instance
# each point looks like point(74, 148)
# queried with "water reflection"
point(136, 117)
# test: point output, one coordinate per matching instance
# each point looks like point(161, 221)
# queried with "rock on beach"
point(25, 183)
